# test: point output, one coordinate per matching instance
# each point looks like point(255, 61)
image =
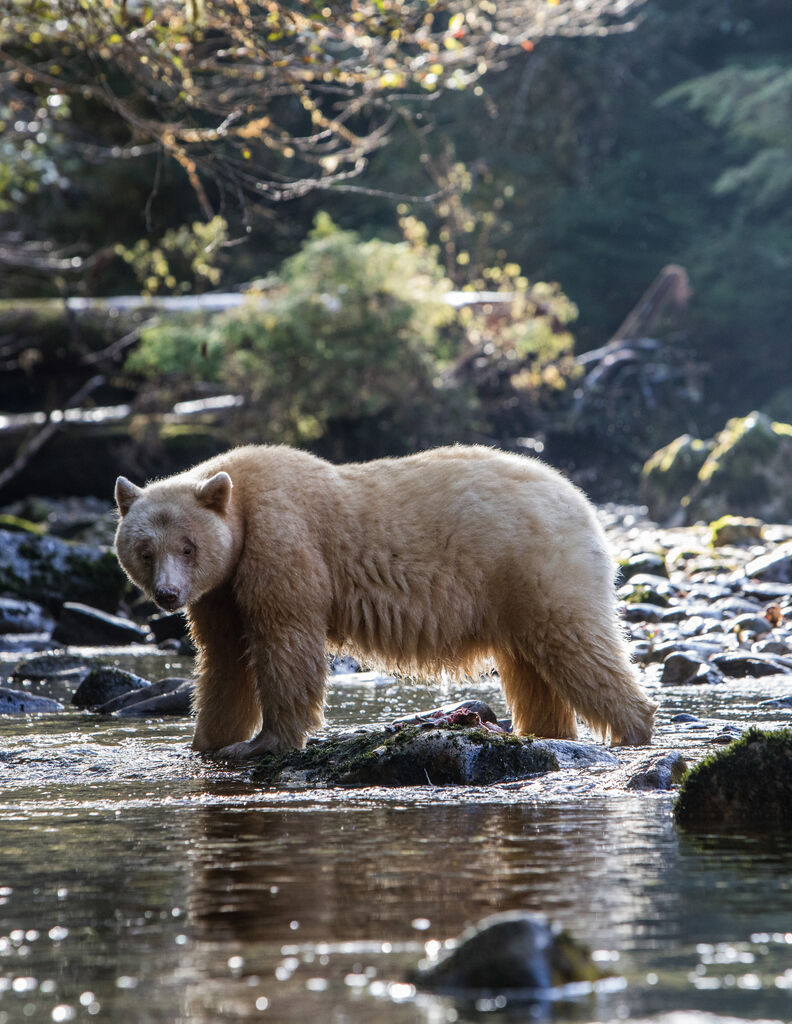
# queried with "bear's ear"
point(215, 493)
point(125, 494)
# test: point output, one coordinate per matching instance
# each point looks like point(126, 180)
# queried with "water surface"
point(137, 883)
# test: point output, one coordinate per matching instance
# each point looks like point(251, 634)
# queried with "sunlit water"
point(139, 884)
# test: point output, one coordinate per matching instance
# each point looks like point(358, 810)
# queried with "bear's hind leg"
point(536, 708)
point(593, 673)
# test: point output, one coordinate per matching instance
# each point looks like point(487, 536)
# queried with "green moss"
point(747, 785)
point(402, 758)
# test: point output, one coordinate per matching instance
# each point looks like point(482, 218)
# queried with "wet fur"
point(437, 561)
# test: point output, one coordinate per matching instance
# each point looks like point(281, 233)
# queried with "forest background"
point(557, 165)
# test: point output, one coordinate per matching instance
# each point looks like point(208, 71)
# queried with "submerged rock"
point(410, 756)
point(660, 772)
point(20, 702)
point(53, 665)
point(512, 952)
point(749, 784)
point(171, 696)
point(104, 683)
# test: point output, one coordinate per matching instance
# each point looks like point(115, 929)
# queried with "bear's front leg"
point(225, 701)
point(289, 669)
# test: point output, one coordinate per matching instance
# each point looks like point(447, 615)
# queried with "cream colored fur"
point(440, 560)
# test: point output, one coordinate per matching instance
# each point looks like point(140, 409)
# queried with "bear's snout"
point(167, 597)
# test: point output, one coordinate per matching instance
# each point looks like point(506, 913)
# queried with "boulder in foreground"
point(511, 952)
point(746, 785)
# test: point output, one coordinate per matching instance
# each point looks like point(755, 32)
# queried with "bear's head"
point(176, 538)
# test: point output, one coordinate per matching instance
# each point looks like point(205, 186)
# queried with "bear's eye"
point(188, 549)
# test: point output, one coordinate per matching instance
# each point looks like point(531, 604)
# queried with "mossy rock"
point(411, 756)
point(747, 785)
point(732, 530)
point(670, 473)
point(52, 571)
point(748, 472)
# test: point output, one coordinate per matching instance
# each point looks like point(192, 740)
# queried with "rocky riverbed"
point(708, 611)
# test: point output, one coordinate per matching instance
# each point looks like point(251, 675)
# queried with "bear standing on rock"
point(434, 561)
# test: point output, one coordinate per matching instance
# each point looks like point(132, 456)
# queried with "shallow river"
point(138, 884)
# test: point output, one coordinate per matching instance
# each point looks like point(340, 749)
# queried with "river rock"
point(24, 617)
point(745, 471)
point(20, 702)
point(646, 562)
point(735, 530)
point(102, 684)
point(512, 952)
point(659, 772)
point(168, 626)
point(410, 756)
point(142, 701)
point(681, 669)
point(738, 666)
point(50, 571)
point(774, 567)
point(54, 666)
point(670, 473)
point(749, 784)
point(80, 625)
point(173, 703)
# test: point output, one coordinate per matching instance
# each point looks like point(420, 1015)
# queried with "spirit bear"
point(434, 561)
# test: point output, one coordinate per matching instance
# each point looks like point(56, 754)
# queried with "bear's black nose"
point(167, 598)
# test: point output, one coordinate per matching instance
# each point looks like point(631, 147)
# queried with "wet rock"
point(777, 702)
point(25, 643)
point(640, 612)
point(78, 624)
point(685, 716)
point(747, 785)
point(20, 702)
point(778, 647)
point(411, 756)
point(757, 624)
point(24, 617)
point(513, 952)
point(171, 696)
point(735, 530)
point(104, 683)
point(644, 589)
point(682, 669)
point(774, 567)
point(647, 563)
point(737, 666)
point(168, 626)
point(51, 571)
point(142, 693)
point(659, 772)
point(55, 665)
point(176, 702)
point(343, 664)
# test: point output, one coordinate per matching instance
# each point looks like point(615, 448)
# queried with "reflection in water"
point(137, 884)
